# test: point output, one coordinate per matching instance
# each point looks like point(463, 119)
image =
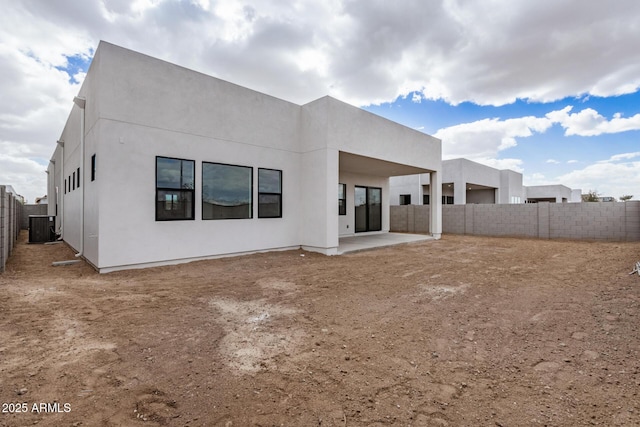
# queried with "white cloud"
point(485, 138)
point(26, 176)
point(589, 122)
point(608, 177)
point(623, 156)
point(537, 178)
point(39, 98)
point(363, 52)
point(513, 164)
point(569, 162)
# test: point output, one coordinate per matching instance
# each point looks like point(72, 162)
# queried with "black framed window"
point(73, 181)
point(405, 199)
point(425, 199)
point(175, 188)
point(342, 199)
point(269, 193)
point(227, 191)
point(93, 167)
point(78, 178)
point(447, 200)
point(65, 186)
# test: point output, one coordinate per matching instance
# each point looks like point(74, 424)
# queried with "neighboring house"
point(41, 200)
point(468, 182)
point(158, 164)
point(576, 195)
point(463, 181)
point(550, 193)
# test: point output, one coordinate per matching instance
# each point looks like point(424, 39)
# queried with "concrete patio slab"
point(379, 240)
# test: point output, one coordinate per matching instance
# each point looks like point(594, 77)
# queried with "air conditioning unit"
point(42, 228)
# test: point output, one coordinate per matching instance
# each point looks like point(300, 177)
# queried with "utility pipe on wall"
point(81, 102)
point(64, 190)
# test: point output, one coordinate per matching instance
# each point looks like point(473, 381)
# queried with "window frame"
point(405, 199)
point(251, 204)
point(370, 209)
point(93, 167)
point(78, 178)
point(265, 193)
point(192, 191)
point(342, 208)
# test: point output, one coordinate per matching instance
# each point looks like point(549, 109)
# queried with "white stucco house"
point(468, 182)
point(463, 181)
point(158, 164)
point(552, 193)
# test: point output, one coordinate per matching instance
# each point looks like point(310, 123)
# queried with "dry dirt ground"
point(465, 331)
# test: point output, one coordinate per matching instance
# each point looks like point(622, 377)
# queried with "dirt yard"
point(466, 331)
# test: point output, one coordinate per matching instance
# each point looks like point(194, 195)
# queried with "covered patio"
point(366, 242)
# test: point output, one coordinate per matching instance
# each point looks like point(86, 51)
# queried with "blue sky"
point(547, 157)
point(548, 88)
point(75, 66)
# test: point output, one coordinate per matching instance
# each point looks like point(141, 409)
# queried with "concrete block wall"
point(509, 220)
point(632, 221)
point(421, 220)
point(454, 219)
point(399, 218)
point(469, 220)
point(543, 220)
point(410, 219)
point(10, 221)
point(31, 210)
point(582, 221)
point(593, 221)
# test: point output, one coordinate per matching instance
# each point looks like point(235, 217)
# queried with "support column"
point(435, 212)
point(459, 193)
point(320, 178)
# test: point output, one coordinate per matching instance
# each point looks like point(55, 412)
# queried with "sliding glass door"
point(368, 201)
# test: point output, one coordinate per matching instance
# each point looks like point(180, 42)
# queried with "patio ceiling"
point(469, 186)
point(354, 163)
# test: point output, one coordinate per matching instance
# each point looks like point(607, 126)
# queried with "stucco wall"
point(487, 196)
point(356, 131)
point(138, 107)
point(130, 235)
point(560, 193)
point(591, 221)
point(405, 185)
point(457, 174)
point(511, 188)
point(69, 155)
